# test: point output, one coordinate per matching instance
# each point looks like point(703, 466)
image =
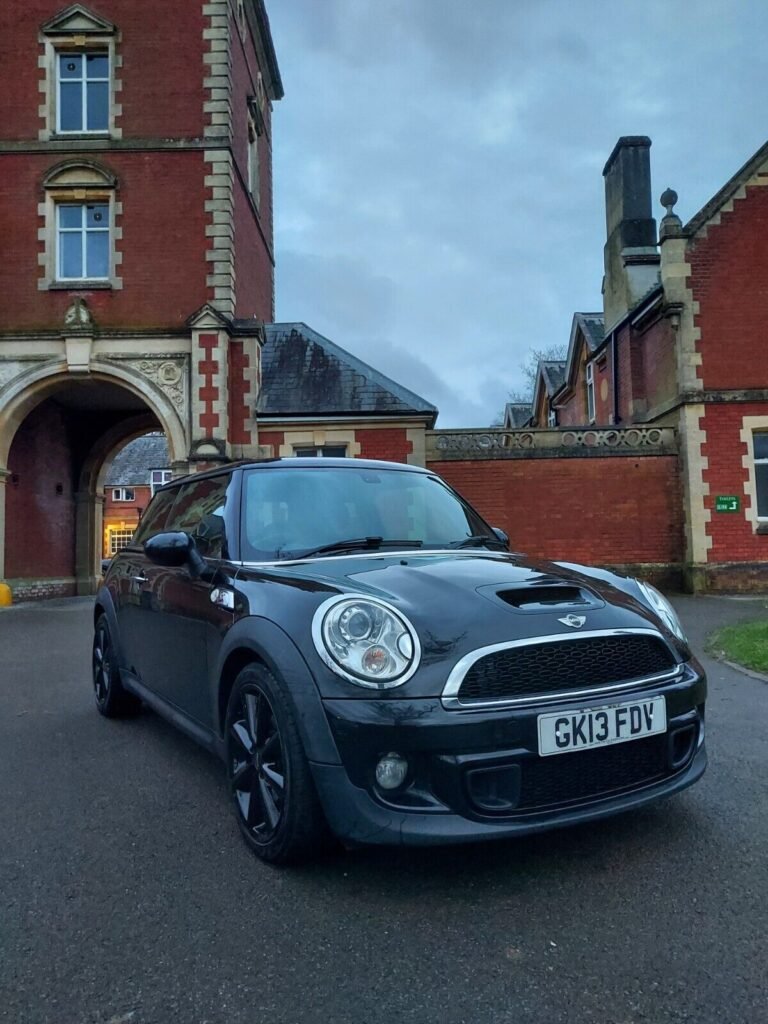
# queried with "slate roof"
point(593, 328)
point(132, 465)
point(305, 374)
point(517, 414)
point(553, 372)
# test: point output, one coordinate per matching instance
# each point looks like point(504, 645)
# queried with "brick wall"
point(391, 445)
point(732, 533)
point(253, 223)
point(40, 521)
point(729, 280)
point(163, 230)
point(619, 510)
point(161, 46)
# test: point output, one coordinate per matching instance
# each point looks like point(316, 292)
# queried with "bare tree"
point(528, 370)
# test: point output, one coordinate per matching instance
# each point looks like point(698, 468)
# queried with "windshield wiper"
point(361, 543)
point(475, 542)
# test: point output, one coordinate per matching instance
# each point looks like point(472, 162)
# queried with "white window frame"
point(115, 533)
point(552, 418)
point(84, 231)
point(591, 392)
point(123, 494)
point(83, 81)
point(165, 476)
point(758, 462)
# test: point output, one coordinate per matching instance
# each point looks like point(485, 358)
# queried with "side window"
point(154, 519)
point(199, 511)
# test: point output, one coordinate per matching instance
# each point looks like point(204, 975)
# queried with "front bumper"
point(478, 775)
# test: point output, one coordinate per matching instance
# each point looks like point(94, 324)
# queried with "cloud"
point(438, 189)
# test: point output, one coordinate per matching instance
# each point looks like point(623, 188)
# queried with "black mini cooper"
point(370, 661)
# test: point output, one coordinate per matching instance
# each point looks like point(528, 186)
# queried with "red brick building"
point(681, 343)
point(137, 266)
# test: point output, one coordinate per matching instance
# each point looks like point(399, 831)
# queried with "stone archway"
point(58, 432)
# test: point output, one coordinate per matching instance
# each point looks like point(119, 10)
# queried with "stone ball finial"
point(668, 200)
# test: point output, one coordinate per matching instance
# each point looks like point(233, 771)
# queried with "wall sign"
point(727, 503)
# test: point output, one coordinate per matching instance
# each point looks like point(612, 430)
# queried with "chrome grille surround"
point(450, 694)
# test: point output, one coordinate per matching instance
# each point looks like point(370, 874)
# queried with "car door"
point(133, 574)
point(184, 618)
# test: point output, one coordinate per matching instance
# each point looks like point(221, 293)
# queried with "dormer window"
point(82, 92)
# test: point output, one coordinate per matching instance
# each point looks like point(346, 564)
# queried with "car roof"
point(292, 462)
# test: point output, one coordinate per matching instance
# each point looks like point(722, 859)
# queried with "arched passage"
point(58, 434)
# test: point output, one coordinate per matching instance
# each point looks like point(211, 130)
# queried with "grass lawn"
point(746, 644)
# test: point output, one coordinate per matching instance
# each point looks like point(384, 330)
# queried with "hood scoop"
point(548, 597)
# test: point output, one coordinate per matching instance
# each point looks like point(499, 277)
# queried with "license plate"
point(564, 731)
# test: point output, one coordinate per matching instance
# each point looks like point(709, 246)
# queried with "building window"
point(761, 474)
point(82, 241)
point(80, 84)
point(123, 494)
point(254, 177)
point(119, 539)
point(326, 451)
point(158, 477)
point(82, 92)
point(551, 418)
point(591, 392)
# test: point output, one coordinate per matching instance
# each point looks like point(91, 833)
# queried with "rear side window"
point(199, 510)
point(154, 519)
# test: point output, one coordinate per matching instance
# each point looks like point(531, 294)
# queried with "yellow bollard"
point(5, 596)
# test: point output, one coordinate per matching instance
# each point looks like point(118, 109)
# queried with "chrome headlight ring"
point(366, 641)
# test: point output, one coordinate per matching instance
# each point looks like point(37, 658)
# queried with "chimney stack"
point(631, 253)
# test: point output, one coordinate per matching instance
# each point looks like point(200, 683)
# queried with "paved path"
point(127, 896)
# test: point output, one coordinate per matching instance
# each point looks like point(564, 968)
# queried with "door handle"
point(223, 598)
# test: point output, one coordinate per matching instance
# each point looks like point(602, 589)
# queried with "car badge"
point(576, 621)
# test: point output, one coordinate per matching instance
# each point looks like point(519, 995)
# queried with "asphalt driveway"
point(126, 894)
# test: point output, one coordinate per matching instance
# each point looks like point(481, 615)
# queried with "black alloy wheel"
point(273, 793)
point(111, 699)
point(258, 768)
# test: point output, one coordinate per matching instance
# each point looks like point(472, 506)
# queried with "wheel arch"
point(258, 640)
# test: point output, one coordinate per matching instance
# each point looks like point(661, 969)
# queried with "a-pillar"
point(89, 525)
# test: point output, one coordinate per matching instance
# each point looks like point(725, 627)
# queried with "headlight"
point(663, 609)
point(366, 641)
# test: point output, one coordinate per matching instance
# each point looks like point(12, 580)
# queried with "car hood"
point(484, 592)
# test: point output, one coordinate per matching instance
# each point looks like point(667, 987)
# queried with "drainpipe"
point(615, 375)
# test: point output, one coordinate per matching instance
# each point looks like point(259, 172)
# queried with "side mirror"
point(503, 537)
point(174, 550)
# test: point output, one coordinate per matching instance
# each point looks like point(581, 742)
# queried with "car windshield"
point(291, 512)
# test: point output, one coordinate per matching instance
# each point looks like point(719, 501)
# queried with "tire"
point(112, 700)
point(270, 783)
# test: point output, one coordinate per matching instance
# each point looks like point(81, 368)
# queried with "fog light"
point(391, 771)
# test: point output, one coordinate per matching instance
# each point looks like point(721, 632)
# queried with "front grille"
point(584, 774)
point(555, 667)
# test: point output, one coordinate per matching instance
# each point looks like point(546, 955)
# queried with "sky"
point(439, 204)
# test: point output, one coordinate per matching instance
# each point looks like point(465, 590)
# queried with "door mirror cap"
point(171, 549)
point(502, 536)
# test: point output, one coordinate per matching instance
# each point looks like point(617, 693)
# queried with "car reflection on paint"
point(372, 663)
